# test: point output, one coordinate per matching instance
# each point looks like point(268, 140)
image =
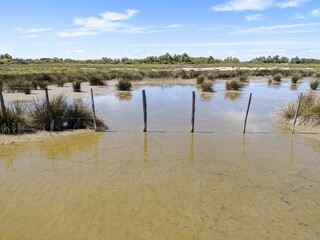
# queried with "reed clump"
point(124, 85)
point(76, 86)
point(277, 77)
point(200, 79)
point(233, 85)
point(314, 84)
point(207, 86)
point(13, 119)
point(296, 77)
point(309, 112)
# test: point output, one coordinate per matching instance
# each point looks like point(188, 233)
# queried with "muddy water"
point(167, 183)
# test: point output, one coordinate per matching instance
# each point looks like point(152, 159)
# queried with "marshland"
point(166, 183)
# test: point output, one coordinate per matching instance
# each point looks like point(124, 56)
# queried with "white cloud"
point(30, 36)
point(243, 5)
point(282, 28)
point(32, 30)
point(254, 5)
point(76, 33)
point(174, 26)
point(299, 16)
point(291, 3)
point(315, 13)
point(111, 22)
point(254, 17)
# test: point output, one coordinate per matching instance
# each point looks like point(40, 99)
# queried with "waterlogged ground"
point(168, 184)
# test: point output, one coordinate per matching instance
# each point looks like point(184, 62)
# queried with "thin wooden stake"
point(245, 121)
point(47, 97)
point(144, 101)
point(193, 110)
point(297, 112)
point(3, 106)
point(93, 111)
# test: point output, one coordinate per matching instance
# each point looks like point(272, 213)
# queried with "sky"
point(92, 29)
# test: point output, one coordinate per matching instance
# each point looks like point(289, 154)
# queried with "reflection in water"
point(243, 158)
point(294, 87)
point(206, 97)
point(145, 150)
point(291, 153)
point(232, 96)
point(274, 85)
point(124, 95)
point(191, 150)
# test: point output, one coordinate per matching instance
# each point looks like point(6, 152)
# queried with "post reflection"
point(145, 156)
point(291, 154)
point(191, 150)
point(243, 155)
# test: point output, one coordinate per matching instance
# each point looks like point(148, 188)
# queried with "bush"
point(314, 84)
point(244, 79)
point(43, 84)
point(13, 121)
point(206, 86)
point(317, 75)
point(277, 77)
point(309, 112)
point(95, 79)
point(200, 79)
point(27, 88)
point(124, 85)
point(60, 115)
point(76, 85)
point(233, 85)
point(61, 81)
point(295, 77)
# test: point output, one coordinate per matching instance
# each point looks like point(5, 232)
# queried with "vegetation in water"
point(124, 85)
point(233, 85)
point(309, 112)
point(314, 84)
point(207, 86)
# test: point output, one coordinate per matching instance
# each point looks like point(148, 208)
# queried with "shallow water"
point(167, 184)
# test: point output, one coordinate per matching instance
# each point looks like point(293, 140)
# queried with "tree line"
point(164, 59)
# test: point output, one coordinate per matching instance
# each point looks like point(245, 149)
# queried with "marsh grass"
point(14, 120)
point(295, 77)
point(76, 86)
point(207, 86)
point(200, 79)
point(95, 79)
point(244, 79)
point(61, 115)
point(124, 85)
point(314, 84)
point(233, 85)
point(309, 113)
point(277, 77)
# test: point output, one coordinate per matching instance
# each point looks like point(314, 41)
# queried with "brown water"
point(167, 183)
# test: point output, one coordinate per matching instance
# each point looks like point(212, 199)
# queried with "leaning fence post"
point(245, 121)
point(3, 107)
point(296, 114)
point(144, 101)
point(193, 110)
point(47, 97)
point(93, 111)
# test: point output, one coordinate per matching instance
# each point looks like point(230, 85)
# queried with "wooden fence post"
point(3, 106)
point(47, 97)
point(296, 114)
point(245, 121)
point(93, 111)
point(144, 101)
point(193, 110)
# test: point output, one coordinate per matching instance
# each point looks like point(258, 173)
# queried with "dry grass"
point(206, 86)
point(309, 113)
point(124, 85)
point(233, 85)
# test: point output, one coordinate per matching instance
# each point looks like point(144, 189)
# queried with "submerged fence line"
point(144, 105)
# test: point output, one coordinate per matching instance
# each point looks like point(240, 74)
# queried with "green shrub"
point(200, 79)
point(277, 77)
point(244, 79)
point(309, 112)
point(314, 84)
point(233, 85)
point(206, 86)
point(95, 79)
point(76, 85)
point(124, 85)
point(13, 121)
point(43, 84)
point(317, 75)
point(295, 77)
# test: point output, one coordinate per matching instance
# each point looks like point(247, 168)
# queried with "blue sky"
point(94, 29)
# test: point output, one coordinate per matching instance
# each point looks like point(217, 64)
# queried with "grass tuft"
point(206, 86)
point(314, 84)
point(309, 113)
point(124, 85)
point(200, 79)
point(277, 77)
point(233, 85)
